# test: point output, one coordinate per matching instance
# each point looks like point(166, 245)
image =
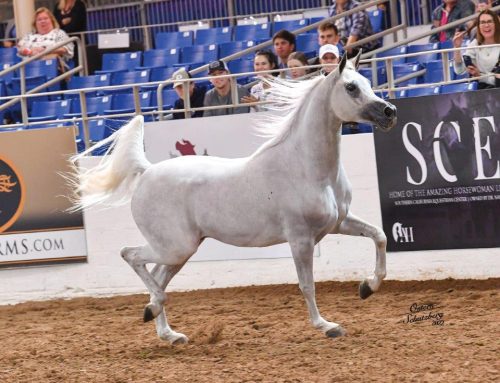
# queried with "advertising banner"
point(439, 172)
point(35, 227)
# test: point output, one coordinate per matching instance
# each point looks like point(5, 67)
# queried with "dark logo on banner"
point(11, 195)
point(402, 234)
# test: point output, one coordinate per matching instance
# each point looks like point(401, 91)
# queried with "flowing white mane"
point(285, 98)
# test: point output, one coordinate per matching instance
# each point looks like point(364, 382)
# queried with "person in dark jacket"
point(196, 94)
point(71, 15)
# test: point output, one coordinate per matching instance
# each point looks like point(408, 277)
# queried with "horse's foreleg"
point(302, 251)
point(353, 225)
point(163, 274)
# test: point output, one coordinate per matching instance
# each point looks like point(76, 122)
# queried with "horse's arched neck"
point(317, 132)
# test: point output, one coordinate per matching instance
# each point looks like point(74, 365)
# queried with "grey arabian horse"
point(292, 189)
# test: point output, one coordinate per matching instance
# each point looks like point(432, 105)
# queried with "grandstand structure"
point(166, 35)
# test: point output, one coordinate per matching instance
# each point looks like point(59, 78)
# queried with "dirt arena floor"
point(262, 334)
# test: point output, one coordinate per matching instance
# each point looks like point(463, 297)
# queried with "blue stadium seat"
point(313, 20)
point(458, 87)
point(169, 40)
point(49, 110)
point(7, 78)
point(47, 68)
point(14, 88)
point(417, 92)
point(199, 54)
point(161, 74)
point(95, 106)
point(406, 69)
point(160, 57)
point(9, 56)
point(227, 49)
point(116, 62)
point(252, 32)
point(124, 102)
point(241, 66)
point(366, 72)
point(377, 20)
point(393, 52)
point(290, 25)
point(213, 35)
point(92, 81)
point(431, 55)
point(433, 72)
point(307, 42)
point(130, 77)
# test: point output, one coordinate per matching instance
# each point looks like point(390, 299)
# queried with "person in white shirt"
point(484, 60)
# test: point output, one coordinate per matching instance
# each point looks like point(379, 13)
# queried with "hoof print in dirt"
point(364, 290)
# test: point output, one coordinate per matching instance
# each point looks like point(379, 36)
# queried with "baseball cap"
point(328, 48)
point(217, 65)
point(180, 74)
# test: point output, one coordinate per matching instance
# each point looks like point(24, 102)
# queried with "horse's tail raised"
point(113, 180)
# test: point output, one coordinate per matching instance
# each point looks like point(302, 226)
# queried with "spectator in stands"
point(484, 60)
point(284, 44)
point(196, 94)
point(10, 33)
point(46, 34)
point(264, 60)
point(328, 54)
point(329, 34)
point(354, 27)
point(71, 15)
point(296, 61)
point(446, 13)
point(221, 93)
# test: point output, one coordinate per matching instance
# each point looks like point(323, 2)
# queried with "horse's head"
point(353, 99)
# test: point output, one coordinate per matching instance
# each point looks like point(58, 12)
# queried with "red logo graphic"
point(186, 148)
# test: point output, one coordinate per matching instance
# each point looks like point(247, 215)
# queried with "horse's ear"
point(357, 59)
point(342, 63)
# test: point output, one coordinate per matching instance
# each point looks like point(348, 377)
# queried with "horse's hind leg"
point(137, 258)
point(302, 251)
point(353, 225)
point(163, 274)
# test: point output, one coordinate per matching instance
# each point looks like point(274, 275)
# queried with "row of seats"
point(192, 56)
point(254, 32)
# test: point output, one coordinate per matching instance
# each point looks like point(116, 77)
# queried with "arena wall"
point(337, 258)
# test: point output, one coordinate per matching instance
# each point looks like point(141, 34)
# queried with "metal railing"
point(22, 97)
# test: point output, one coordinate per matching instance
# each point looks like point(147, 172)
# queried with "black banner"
point(439, 172)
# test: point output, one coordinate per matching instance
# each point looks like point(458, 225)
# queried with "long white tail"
point(113, 180)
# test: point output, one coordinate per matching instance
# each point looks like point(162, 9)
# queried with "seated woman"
point(483, 61)
point(264, 60)
point(296, 60)
point(46, 34)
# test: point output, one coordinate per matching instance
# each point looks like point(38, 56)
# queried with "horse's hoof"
point(148, 314)
point(364, 290)
point(180, 339)
point(336, 332)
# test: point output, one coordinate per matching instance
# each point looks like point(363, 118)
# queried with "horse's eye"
point(350, 87)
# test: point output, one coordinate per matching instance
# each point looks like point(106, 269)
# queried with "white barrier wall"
point(340, 257)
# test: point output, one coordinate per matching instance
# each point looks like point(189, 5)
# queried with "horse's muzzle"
point(382, 114)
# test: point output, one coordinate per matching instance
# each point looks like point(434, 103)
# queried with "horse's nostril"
point(389, 112)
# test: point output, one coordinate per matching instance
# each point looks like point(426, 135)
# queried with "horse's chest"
point(323, 209)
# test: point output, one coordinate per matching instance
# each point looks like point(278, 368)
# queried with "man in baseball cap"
point(196, 94)
point(221, 92)
point(328, 54)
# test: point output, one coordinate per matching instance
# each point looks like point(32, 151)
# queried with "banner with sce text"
point(439, 172)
